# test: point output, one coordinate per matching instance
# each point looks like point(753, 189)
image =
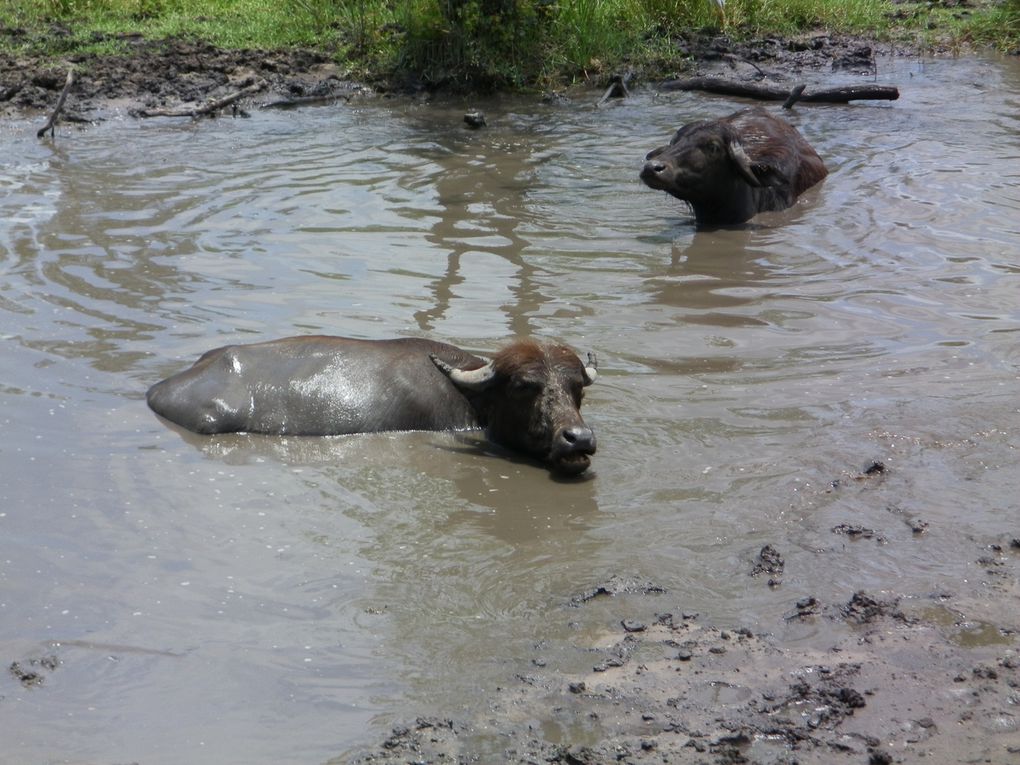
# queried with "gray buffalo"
point(527, 398)
point(730, 169)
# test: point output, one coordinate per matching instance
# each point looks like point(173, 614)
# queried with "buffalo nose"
point(579, 438)
point(653, 172)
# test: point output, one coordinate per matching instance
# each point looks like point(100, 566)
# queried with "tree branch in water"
point(208, 107)
point(52, 121)
point(767, 93)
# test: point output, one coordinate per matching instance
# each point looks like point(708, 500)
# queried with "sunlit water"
point(261, 600)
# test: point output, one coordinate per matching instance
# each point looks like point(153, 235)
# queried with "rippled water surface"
point(246, 599)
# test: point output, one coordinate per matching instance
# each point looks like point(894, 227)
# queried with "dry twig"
point(52, 121)
point(208, 107)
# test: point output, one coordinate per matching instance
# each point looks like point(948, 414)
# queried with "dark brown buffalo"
point(730, 169)
point(528, 397)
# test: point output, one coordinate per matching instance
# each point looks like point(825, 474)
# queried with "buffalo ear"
point(768, 175)
point(467, 379)
point(757, 174)
point(686, 130)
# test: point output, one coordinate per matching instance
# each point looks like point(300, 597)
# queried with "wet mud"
point(171, 74)
point(164, 75)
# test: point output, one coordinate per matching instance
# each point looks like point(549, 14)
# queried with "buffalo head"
point(730, 169)
point(528, 397)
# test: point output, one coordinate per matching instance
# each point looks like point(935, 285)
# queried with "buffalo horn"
point(591, 372)
point(742, 161)
point(473, 379)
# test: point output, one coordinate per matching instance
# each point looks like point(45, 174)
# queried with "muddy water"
point(259, 600)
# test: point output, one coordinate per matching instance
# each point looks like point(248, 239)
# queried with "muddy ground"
point(907, 677)
point(182, 75)
point(913, 680)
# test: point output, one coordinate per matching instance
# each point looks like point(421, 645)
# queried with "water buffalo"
point(730, 169)
point(528, 397)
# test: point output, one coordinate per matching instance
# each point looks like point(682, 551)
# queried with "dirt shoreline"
point(181, 74)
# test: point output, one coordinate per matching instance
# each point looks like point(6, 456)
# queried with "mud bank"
point(163, 75)
point(169, 74)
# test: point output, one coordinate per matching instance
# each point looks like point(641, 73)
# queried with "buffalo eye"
point(524, 388)
point(713, 149)
point(578, 395)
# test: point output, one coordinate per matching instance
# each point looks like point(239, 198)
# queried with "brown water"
point(261, 600)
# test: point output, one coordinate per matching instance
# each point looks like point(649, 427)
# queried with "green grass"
point(489, 43)
point(772, 16)
point(228, 23)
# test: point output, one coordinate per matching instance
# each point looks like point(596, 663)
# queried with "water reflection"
point(481, 189)
point(442, 454)
point(716, 270)
point(518, 512)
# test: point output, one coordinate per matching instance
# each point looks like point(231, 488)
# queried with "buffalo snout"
point(652, 168)
point(572, 449)
point(657, 174)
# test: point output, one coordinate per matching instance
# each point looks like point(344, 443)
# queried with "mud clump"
point(771, 562)
point(864, 609)
point(31, 673)
point(617, 585)
point(778, 57)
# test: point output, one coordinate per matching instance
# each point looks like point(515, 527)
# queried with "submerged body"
point(527, 398)
point(733, 168)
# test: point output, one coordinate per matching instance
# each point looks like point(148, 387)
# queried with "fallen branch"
point(208, 108)
point(52, 121)
point(293, 103)
point(617, 89)
point(767, 93)
point(77, 119)
point(794, 96)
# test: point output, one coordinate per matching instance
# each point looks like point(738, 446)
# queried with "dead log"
point(297, 101)
point(209, 107)
point(617, 89)
point(52, 121)
point(76, 119)
point(794, 96)
point(768, 93)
